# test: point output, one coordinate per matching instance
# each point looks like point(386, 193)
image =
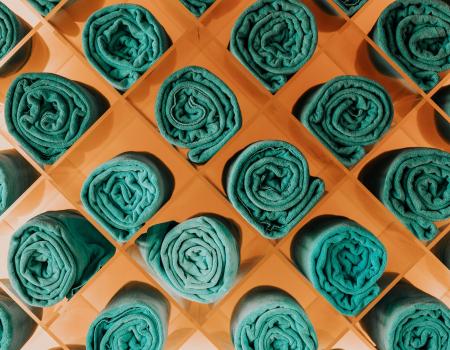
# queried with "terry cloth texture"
point(44, 6)
point(53, 255)
point(122, 42)
point(270, 186)
point(342, 260)
point(414, 184)
point(442, 98)
point(347, 114)
point(197, 7)
point(350, 7)
point(196, 110)
point(125, 192)
point(197, 259)
point(273, 39)
point(47, 113)
point(269, 318)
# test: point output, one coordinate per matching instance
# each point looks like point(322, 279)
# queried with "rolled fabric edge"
point(197, 12)
point(442, 99)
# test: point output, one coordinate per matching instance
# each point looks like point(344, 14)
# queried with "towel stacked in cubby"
point(53, 255)
point(44, 6)
point(414, 184)
point(342, 260)
point(269, 318)
point(197, 7)
point(47, 113)
point(270, 185)
point(136, 318)
point(125, 192)
point(197, 259)
point(442, 98)
point(350, 7)
point(122, 41)
point(346, 114)
point(274, 39)
point(196, 110)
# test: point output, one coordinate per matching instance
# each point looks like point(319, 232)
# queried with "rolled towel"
point(16, 327)
point(442, 98)
point(47, 113)
point(414, 184)
point(197, 7)
point(346, 114)
point(270, 186)
point(414, 34)
point(12, 30)
point(197, 259)
point(274, 39)
point(125, 192)
point(408, 319)
point(44, 6)
point(53, 255)
point(16, 176)
point(122, 42)
point(350, 7)
point(136, 318)
point(269, 318)
point(196, 110)
point(342, 260)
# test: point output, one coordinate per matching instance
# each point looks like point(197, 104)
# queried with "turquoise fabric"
point(442, 98)
point(273, 39)
point(122, 41)
point(414, 184)
point(350, 7)
point(197, 7)
point(347, 114)
point(44, 6)
point(196, 110)
point(269, 318)
point(53, 255)
point(125, 192)
point(342, 260)
point(270, 186)
point(16, 176)
point(16, 327)
point(409, 319)
point(415, 34)
point(197, 259)
point(47, 113)
point(136, 318)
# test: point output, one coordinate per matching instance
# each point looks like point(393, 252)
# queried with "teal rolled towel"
point(196, 110)
point(270, 186)
point(125, 192)
point(16, 327)
point(414, 184)
point(347, 114)
point(350, 7)
point(197, 259)
point(273, 39)
point(269, 318)
point(409, 319)
point(12, 30)
point(16, 176)
point(442, 98)
point(122, 41)
point(47, 113)
point(136, 318)
point(342, 260)
point(197, 7)
point(53, 255)
point(415, 34)
point(44, 6)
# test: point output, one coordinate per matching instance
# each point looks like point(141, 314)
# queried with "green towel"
point(415, 34)
point(274, 39)
point(12, 30)
point(136, 318)
point(414, 184)
point(44, 6)
point(197, 7)
point(197, 259)
point(196, 110)
point(269, 318)
point(125, 192)
point(47, 113)
point(16, 176)
point(270, 186)
point(350, 7)
point(347, 114)
point(53, 255)
point(442, 98)
point(16, 327)
point(342, 260)
point(409, 319)
point(122, 42)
